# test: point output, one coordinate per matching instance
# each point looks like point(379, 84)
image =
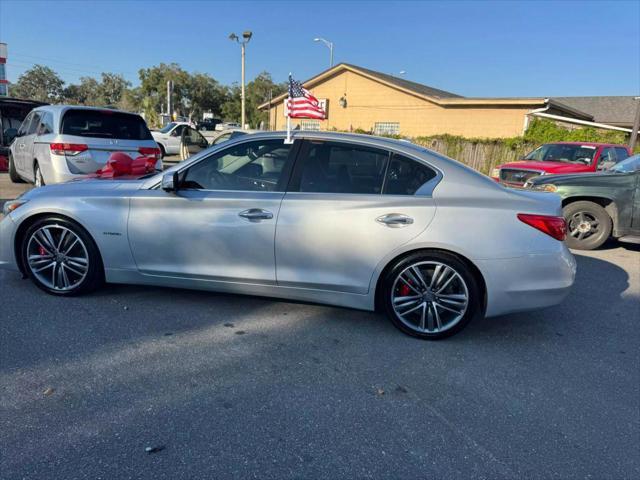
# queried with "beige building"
point(358, 98)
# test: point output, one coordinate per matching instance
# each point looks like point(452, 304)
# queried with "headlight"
point(11, 205)
point(545, 187)
point(495, 173)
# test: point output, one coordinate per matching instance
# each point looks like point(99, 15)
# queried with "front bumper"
point(527, 283)
point(7, 235)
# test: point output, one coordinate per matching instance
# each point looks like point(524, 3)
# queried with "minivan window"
point(24, 127)
point(35, 122)
point(406, 176)
point(331, 167)
point(104, 124)
point(46, 124)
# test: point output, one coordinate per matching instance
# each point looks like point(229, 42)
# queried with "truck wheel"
point(588, 225)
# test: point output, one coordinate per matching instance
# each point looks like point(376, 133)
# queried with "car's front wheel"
point(430, 295)
point(61, 257)
point(588, 225)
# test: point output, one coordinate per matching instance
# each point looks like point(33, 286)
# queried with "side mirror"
point(170, 182)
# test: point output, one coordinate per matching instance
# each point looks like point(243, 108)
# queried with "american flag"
point(301, 104)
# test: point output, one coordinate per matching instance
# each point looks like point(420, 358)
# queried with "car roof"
point(64, 108)
point(590, 144)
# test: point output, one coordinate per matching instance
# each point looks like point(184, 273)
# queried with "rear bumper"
point(527, 283)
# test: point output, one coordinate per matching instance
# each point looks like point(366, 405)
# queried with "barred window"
point(310, 125)
point(386, 128)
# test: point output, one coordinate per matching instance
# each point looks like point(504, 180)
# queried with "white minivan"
point(57, 143)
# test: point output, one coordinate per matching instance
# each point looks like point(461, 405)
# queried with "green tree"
point(205, 95)
point(257, 92)
point(153, 85)
point(39, 83)
point(112, 88)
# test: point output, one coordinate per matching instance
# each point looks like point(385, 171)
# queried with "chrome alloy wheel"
point(429, 297)
point(57, 257)
point(583, 225)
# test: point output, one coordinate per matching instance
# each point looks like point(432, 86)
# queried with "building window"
point(310, 125)
point(3, 90)
point(386, 128)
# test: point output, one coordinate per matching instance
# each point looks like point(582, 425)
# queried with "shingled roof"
point(617, 111)
point(406, 84)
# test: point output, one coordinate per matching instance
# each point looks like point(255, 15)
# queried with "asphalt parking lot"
point(227, 386)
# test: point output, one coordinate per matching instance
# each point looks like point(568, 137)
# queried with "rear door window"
point(104, 124)
point(46, 124)
point(332, 167)
point(621, 154)
point(405, 176)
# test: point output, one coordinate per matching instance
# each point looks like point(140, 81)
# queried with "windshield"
point(628, 165)
point(559, 152)
point(168, 127)
point(105, 124)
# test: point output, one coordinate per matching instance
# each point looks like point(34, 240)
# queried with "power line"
point(57, 69)
point(55, 60)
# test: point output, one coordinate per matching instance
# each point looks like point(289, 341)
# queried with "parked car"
point(350, 220)
point(168, 137)
point(600, 205)
point(56, 143)
point(208, 124)
point(228, 126)
point(12, 112)
point(230, 134)
point(560, 158)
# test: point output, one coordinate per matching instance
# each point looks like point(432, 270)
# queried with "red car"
point(562, 158)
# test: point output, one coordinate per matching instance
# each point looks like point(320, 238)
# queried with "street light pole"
point(329, 45)
point(246, 37)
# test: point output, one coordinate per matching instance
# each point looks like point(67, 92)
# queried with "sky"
point(481, 49)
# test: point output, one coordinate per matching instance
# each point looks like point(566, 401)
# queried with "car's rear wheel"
point(588, 225)
point(13, 173)
point(37, 176)
point(61, 257)
point(430, 295)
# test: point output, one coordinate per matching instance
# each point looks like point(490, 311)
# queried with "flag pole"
point(288, 140)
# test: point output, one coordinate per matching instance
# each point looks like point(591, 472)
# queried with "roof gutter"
point(604, 126)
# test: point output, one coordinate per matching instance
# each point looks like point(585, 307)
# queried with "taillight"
point(67, 148)
point(150, 152)
point(555, 227)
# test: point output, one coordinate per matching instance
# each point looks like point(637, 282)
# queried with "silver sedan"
point(349, 220)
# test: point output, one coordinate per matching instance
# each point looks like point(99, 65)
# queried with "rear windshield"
point(104, 124)
point(559, 152)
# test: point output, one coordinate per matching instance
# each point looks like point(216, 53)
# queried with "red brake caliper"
point(42, 251)
point(404, 290)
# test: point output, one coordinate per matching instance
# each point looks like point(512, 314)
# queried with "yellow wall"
point(369, 101)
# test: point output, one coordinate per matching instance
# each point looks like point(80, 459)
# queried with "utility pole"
point(246, 37)
point(169, 92)
point(636, 126)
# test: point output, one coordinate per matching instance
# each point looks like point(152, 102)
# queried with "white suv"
point(56, 143)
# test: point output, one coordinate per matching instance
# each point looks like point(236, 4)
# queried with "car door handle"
point(21, 145)
point(395, 220)
point(256, 214)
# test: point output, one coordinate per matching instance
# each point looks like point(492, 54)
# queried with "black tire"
point(162, 151)
point(38, 179)
point(588, 225)
point(428, 259)
point(94, 276)
point(13, 174)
